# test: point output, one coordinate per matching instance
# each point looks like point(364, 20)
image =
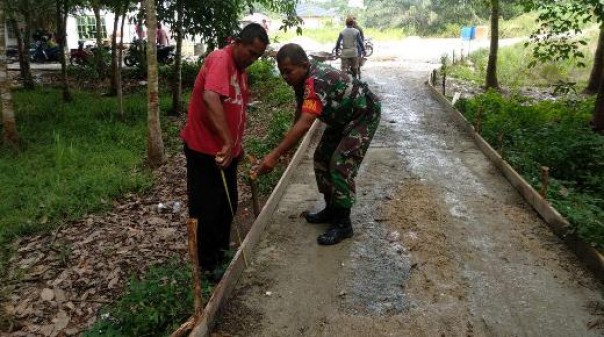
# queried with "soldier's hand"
point(267, 164)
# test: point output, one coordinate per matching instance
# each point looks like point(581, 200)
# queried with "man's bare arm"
point(219, 125)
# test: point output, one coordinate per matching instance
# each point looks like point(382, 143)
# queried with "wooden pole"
point(198, 300)
point(544, 181)
point(192, 243)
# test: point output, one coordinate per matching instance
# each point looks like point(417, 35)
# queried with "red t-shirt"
point(218, 74)
point(311, 103)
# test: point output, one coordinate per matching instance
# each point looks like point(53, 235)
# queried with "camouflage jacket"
point(334, 96)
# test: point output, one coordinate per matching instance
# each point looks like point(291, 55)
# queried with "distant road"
point(411, 49)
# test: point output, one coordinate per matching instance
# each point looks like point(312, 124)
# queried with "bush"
point(262, 71)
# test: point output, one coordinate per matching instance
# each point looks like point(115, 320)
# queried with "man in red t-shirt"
point(213, 137)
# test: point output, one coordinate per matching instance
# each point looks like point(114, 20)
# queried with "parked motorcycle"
point(135, 54)
point(41, 52)
point(368, 47)
point(12, 55)
point(82, 55)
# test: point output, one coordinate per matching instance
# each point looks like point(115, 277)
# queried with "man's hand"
point(267, 164)
point(225, 156)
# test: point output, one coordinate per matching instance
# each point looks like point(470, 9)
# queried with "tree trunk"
point(597, 119)
point(113, 71)
point(61, 24)
point(491, 80)
point(177, 85)
point(100, 63)
point(23, 44)
point(596, 71)
point(9, 125)
point(155, 144)
point(118, 71)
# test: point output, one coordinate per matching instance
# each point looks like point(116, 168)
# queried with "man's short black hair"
point(252, 32)
point(293, 52)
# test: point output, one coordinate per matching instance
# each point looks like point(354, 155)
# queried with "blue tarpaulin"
point(468, 33)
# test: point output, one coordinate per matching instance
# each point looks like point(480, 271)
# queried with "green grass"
point(520, 26)
point(76, 158)
point(513, 67)
point(153, 305)
point(330, 34)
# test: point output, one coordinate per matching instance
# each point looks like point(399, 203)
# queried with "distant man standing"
point(162, 36)
point(213, 142)
point(140, 31)
point(352, 48)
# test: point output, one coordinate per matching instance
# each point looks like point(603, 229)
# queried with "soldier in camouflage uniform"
point(352, 114)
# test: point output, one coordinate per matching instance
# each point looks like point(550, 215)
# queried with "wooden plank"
point(586, 253)
point(231, 276)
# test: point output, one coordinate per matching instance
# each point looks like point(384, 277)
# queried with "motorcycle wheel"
point(130, 61)
point(368, 50)
point(336, 53)
point(169, 60)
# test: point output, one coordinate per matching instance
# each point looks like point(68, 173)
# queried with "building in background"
point(316, 17)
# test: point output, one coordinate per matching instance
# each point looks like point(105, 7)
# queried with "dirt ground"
point(443, 245)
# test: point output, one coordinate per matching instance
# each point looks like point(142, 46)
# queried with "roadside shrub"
point(262, 71)
point(450, 30)
point(189, 71)
point(519, 26)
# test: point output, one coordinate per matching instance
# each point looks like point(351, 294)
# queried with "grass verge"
point(513, 67)
point(77, 157)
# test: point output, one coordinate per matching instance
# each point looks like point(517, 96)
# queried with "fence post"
point(544, 181)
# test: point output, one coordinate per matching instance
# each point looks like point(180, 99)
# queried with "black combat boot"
point(323, 216)
point(340, 229)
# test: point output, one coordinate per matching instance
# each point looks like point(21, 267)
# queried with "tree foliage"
point(560, 24)
point(430, 16)
point(215, 20)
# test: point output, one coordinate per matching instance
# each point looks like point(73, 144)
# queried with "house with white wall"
point(82, 27)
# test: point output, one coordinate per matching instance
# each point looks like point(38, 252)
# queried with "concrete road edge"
point(591, 257)
point(226, 285)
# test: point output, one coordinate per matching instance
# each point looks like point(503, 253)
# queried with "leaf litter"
point(58, 281)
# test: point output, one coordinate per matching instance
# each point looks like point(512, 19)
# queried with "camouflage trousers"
point(339, 155)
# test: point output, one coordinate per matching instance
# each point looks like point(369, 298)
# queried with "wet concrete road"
point(443, 245)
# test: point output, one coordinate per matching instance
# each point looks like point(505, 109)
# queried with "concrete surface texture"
point(443, 245)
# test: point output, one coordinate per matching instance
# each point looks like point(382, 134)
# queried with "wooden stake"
point(544, 181)
point(252, 179)
point(500, 142)
point(192, 243)
point(184, 328)
point(478, 120)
